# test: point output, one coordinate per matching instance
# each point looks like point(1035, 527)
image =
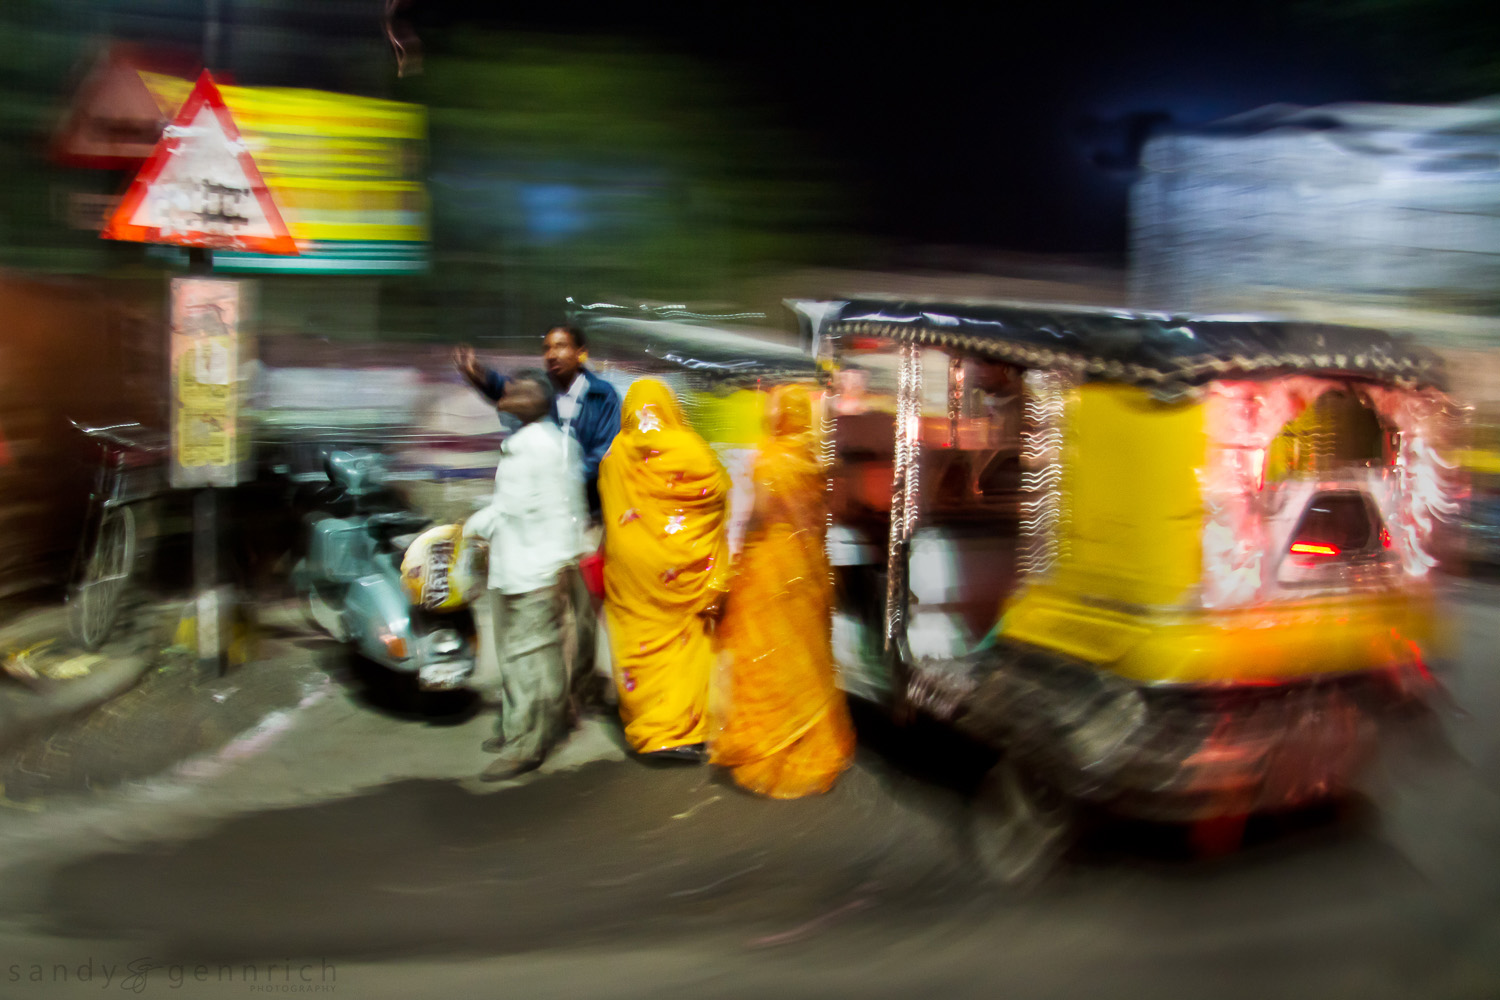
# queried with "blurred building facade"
point(73, 350)
point(1382, 214)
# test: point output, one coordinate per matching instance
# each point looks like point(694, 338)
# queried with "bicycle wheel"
point(96, 596)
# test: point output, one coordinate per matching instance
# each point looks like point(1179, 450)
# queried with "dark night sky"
point(1003, 126)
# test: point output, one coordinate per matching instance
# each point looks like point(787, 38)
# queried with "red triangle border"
point(205, 93)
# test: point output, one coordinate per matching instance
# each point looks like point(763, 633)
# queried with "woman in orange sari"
point(784, 729)
point(666, 559)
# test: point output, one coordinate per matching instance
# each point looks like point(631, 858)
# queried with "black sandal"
point(692, 753)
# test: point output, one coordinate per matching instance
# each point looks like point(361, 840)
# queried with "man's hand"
point(467, 364)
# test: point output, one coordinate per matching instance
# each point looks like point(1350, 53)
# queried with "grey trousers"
point(580, 621)
point(534, 678)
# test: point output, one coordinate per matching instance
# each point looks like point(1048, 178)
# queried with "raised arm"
point(484, 380)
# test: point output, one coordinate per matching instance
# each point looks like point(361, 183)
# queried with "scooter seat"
point(399, 519)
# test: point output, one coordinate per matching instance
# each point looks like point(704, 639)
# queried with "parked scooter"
point(351, 578)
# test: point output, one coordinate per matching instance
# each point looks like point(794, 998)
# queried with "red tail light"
point(1314, 549)
point(1385, 537)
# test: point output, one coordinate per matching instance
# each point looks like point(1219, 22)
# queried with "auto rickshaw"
point(1171, 567)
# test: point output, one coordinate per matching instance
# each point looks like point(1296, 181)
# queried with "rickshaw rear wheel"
point(1021, 828)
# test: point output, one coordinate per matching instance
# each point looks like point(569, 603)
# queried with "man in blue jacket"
point(587, 408)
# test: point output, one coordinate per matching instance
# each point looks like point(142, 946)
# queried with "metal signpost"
point(201, 189)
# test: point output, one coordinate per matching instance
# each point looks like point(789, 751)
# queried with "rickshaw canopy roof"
point(713, 346)
point(1153, 349)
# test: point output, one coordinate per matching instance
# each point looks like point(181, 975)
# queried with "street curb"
point(24, 714)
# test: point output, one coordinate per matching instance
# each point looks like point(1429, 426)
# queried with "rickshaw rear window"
point(1340, 519)
point(1338, 431)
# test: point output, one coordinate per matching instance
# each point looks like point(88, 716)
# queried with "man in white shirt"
point(587, 408)
point(534, 527)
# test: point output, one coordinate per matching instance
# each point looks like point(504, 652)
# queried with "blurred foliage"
point(589, 167)
point(40, 57)
point(1427, 50)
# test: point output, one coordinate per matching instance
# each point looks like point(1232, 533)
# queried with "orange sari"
point(666, 558)
point(784, 729)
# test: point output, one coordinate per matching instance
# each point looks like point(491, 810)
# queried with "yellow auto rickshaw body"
point(1126, 591)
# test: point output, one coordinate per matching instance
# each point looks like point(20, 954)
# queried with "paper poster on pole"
point(209, 349)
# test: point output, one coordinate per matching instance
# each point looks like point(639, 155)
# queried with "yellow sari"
point(784, 730)
point(666, 558)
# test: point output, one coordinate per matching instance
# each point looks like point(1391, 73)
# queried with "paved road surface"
point(336, 846)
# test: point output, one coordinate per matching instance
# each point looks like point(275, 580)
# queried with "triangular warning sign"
point(200, 187)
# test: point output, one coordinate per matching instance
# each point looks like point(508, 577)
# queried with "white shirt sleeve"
point(481, 524)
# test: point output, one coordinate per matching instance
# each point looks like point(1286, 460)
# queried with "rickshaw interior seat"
point(945, 478)
point(962, 572)
point(955, 481)
point(865, 434)
point(862, 491)
point(960, 486)
point(1001, 475)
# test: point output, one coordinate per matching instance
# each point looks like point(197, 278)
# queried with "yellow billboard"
point(340, 168)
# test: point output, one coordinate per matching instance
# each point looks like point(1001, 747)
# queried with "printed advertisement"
point(207, 351)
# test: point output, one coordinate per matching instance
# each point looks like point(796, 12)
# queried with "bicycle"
point(107, 547)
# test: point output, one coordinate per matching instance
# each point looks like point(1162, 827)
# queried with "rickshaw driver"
point(1001, 385)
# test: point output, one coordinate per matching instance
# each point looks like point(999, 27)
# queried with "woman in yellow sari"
point(784, 729)
point(666, 560)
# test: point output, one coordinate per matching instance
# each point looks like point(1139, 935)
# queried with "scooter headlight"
point(446, 642)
